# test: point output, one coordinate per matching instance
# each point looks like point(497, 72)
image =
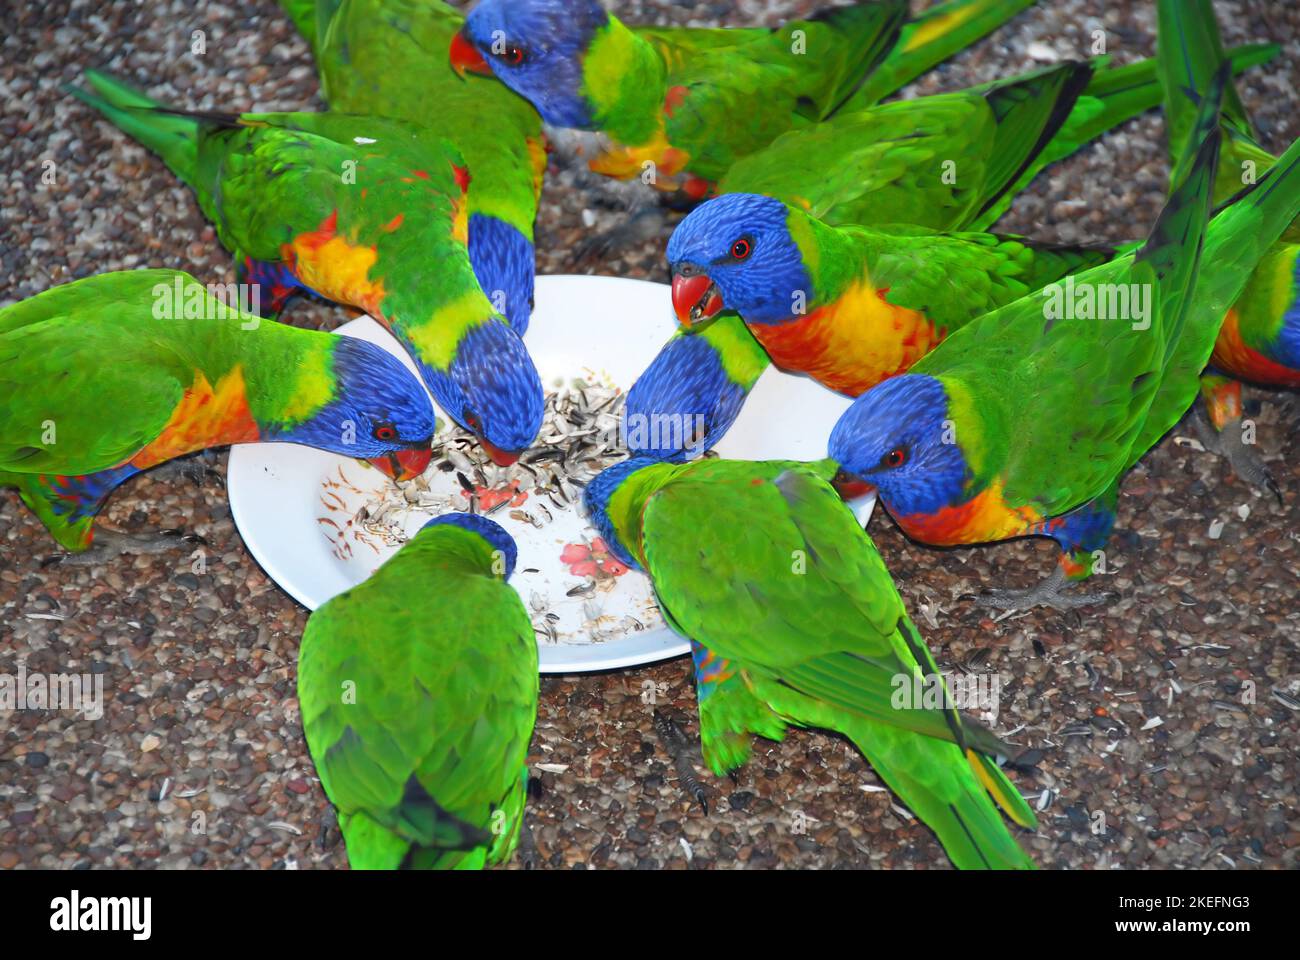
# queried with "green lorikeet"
point(795, 621)
point(674, 100)
point(108, 376)
point(1023, 422)
point(1260, 337)
point(418, 691)
point(381, 58)
point(355, 209)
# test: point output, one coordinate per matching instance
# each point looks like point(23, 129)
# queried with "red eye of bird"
point(473, 422)
point(513, 55)
point(385, 433)
point(894, 458)
point(740, 249)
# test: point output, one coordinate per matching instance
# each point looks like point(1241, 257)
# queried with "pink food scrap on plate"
point(592, 560)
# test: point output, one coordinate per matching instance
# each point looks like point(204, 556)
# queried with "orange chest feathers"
point(1233, 356)
point(852, 344)
point(206, 416)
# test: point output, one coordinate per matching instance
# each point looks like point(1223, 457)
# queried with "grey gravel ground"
point(198, 668)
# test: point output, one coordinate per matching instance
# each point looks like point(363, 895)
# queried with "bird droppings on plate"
point(574, 588)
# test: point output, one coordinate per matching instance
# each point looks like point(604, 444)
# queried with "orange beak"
point(502, 458)
point(850, 487)
point(695, 299)
point(404, 464)
point(465, 57)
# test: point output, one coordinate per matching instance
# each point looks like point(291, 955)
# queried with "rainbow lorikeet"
point(108, 376)
point(825, 301)
point(418, 690)
point(378, 58)
point(849, 306)
point(885, 165)
point(361, 210)
point(684, 104)
point(796, 622)
point(674, 100)
point(1260, 337)
point(703, 374)
point(1023, 422)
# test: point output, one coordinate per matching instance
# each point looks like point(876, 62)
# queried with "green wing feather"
point(265, 179)
point(389, 58)
point(418, 691)
point(1113, 96)
point(883, 165)
point(929, 39)
point(802, 604)
point(796, 79)
point(955, 277)
point(88, 359)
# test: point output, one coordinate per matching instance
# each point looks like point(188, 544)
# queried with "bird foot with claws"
point(675, 743)
point(109, 545)
point(1231, 444)
point(1054, 592)
point(530, 858)
point(642, 226)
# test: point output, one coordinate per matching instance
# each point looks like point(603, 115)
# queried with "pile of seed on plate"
point(579, 438)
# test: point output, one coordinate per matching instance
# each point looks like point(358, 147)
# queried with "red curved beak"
point(695, 299)
point(850, 487)
point(465, 57)
point(502, 458)
point(404, 464)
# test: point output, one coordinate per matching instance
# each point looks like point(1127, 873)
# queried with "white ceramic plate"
point(290, 502)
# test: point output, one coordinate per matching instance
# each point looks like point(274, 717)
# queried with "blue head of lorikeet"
point(736, 251)
point(683, 403)
point(536, 48)
point(897, 439)
point(492, 389)
point(379, 406)
point(491, 531)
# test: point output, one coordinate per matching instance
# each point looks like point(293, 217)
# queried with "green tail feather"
point(877, 23)
point(171, 135)
point(1004, 792)
point(931, 38)
point(947, 796)
point(1029, 111)
point(1113, 96)
point(303, 15)
point(1191, 26)
point(311, 18)
point(1173, 250)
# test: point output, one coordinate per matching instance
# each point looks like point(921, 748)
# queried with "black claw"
point(1277, 491)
